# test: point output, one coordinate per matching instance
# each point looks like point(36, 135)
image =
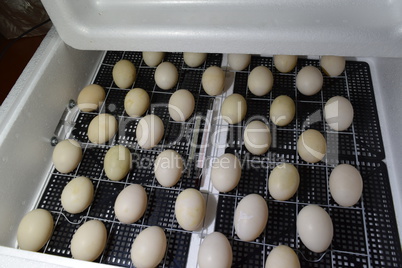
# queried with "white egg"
point(136, 102)
point(130, 204)
point(251, 217)
point(194, 59)
point(282, 257)
point(102, 128)
point(152, 59)
point(345, 185)
point(311, 146)
point(285, 63)
point(315, 228)
point(89, 241)
point(149, 131)
point(282, 110)
point(77, 195)
point(283, 181)
point(67, 155)
point(215, 252)
point(35, 229)
point(124, 73)
point(168, 168)
point(213, 80)
point(166, 75)
point(332, 65)
point(257, 137)
point(234, 108)
point(309, 80)
point(239, 62)
point(181, 105)
point(260, 81)
point(149, 247)
point(91, 98)
point(338, 113)
point(190, 208)
point(117, 162)
point(226, 172)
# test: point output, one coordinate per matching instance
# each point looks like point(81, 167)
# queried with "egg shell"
point(168, 168)
point(345, 185)
point(226, 172)
point(257, 137)
point(194, 59)
point(213, 80)
point(283, 181)
point(149, 247)
point(239, 62)
point(136, 102)
point(285, 63)
point(152, 59)
point(117, 162)
point(102, 128)
point(35, 229)
point(332, 65)
point(215, 252)
point(338, 113)
point(234, 108)
point(90, 98)
point(67, 155)
point(251, 217)
point(282, 257)
point(89, 241)
point(166, 75)
point(282, 110)
point(309, 80)
point(130, 204)
point(311, 146)
point(315, 228)
point(181, 105)
point(124, 73)
point(149, 131)
point(77, 195)
point(190, 208)
point(260, 81)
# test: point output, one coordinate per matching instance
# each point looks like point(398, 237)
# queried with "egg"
point(285, 63)
point(168, 168)
point(194, 59)
point(166, 75)
point(190, 208)
point(117, 162)
point(338, 113)
point(149, 247)
point(67, 155)
point(181, 105)
point(35, 229)
point(239, 62)
point(282, 110)
point(283, 181)
point(345, 185)
point(215, 252)
point(260, 81)
point(251, 217)
point(136, 102)
point(149, 131)
point(130, 204)
point(226, 172)
point(77, 195)
point(311, 146)
point(213, 80)
point(315, 228)
point(91, 98)
point(257, 137)
point(89, 241)
point(282, 257)
point(152, 59)
point(309, 80)
point(124, 73)
point(102, 128)
point(234, 108)
point(332, 65)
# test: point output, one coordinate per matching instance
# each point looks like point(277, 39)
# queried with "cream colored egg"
point(283, 181)
point(181, 105)
point(309, 80)
point(282, 110)
point(152, 59)
point(124, 73)
point(311, 146)
point(315, 228)
point(226, 172)
point(251, 217)
point(117, 162)
point(260, 81)
point(67, 155)
point(166, 75)
point(136, 102)
point(91, 98)
point(190, 208)
point(102, 128)
point(35, 229)
point(213, 80)
point(345, 185)
point(338, 113)
point(239, 62)
point(194, 59)
point(89, 241)
point(234, 108)
point(282, 257)
point(130, 204)
point(257, 137)
point(168, 168)
point(149, 131)
point(215, 252)
point(332, 65)
point(285, 63)
point(149, 247)
point(77, 195)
